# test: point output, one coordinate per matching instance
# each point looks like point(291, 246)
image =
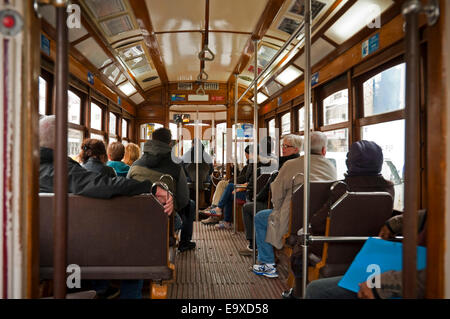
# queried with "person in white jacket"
point(272, 224)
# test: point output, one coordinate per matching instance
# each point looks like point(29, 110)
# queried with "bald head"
point(47, 131)
point(318, 143)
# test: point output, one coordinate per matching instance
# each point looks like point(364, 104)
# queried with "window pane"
point(42, 95)
point(124, 128)
point(147, 130)
point(301, 118)
point(286, 124)
point(112, 123)
point(97, 136)
point(124, 142)
point(335, 108)
point(174, 130)
point(74, 108)
point(337, 148)
point(112, 139)
point(220, 139)
point(391, 138)
point(272, 127)
point(96, 116)
point(385, 92)
point(74, 141)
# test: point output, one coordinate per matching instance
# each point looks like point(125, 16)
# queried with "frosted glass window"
point(124, 128)
point(96, 116)
point(301, 118)
point(337, 148)
point(286, 123)
point(74, 103)
point(97, 136)
point(385, 92)
point(42, 96)
point(74, 141)
point(335, 108)
point(112, 123)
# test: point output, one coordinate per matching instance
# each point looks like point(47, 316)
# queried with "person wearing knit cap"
point(364, 162)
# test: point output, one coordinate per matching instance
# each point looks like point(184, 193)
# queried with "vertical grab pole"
point(60, 158)
point(307, 143)
point(255, 144)
point(235, 148)
point(197, 149)
point(411, 11)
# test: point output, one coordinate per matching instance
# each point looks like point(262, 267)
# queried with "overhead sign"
point(45, 44)
point(198, 97)
point(370, 45)
point(178, 97)
point(217, 98)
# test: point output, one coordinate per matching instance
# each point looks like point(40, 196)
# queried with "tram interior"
point(231, 73)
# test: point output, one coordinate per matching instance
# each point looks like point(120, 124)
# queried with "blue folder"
point(386, 254)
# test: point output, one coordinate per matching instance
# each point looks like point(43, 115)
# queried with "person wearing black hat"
point(364, 162)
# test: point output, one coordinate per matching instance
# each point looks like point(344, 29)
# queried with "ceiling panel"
point(356, 18)
point(319, 50)
point(234, 15)
point(93, 52)
point(176, 15)
point(180, 54)
point(76, 33)
point(137, 98)
point(227, 48)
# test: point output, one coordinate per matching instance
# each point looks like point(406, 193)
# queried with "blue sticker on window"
point(90, 77)
point(45, 44)
point(370, 45)
point(315, 79)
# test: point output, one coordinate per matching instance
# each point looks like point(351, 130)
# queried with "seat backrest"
point(319, 194)
point(119, 238)
point(261, 181)
point(354, 214)
point(203, 170)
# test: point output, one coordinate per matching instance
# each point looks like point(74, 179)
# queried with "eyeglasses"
point(286, 146)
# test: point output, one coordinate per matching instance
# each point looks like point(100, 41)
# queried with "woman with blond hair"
point(132, 153)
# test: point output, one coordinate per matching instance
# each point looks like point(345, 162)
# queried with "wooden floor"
point(215, 270)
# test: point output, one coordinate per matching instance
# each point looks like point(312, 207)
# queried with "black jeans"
point(247, 212)
point(187, 215)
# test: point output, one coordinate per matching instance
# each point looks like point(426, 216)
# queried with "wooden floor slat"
point(215, 270)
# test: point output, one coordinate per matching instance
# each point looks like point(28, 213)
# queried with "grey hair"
point(318, 142)
point(295, 140)
point(47, 131)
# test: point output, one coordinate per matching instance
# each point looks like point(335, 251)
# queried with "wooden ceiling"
point(139, 45)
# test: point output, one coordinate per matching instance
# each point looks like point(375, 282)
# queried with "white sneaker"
point(265, 270)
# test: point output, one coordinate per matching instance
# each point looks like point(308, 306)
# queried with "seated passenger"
point(222, 186)
point(116, 151)
point(91, 184)
point(93, 157)
point(272, 224)
point(291, 146)
point(391, 282)
point(154, 163)
point(225, 205)
point(132, 153)
point(202, 157)
point(364, 162)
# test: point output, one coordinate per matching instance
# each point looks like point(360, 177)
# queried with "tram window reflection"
point(96, 117)
point(42, 96)
point(112, 123)
point(221, 142)
point(97, 136)
point(391, 138)
point(385, 92)
point(124, 128)
point(286, 124)
point(337, 148)
point(74, 141)
point(335, 108)
point(147, 129)
point(301, 118)
point(74, 103)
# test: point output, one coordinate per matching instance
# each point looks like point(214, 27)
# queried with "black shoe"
point(110, 293)
point(289, 294)
point(183, 246)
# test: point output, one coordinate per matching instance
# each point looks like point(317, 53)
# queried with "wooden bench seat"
point(126, 237)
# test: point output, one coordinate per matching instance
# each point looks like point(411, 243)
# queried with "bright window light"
point(289, 75)
point(362, 13)
point(127, 88)
point(261, 97)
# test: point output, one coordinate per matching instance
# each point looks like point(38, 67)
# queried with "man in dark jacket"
point(364, 162)
point(157, 161)
point(91, 184)
point(291, 146)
